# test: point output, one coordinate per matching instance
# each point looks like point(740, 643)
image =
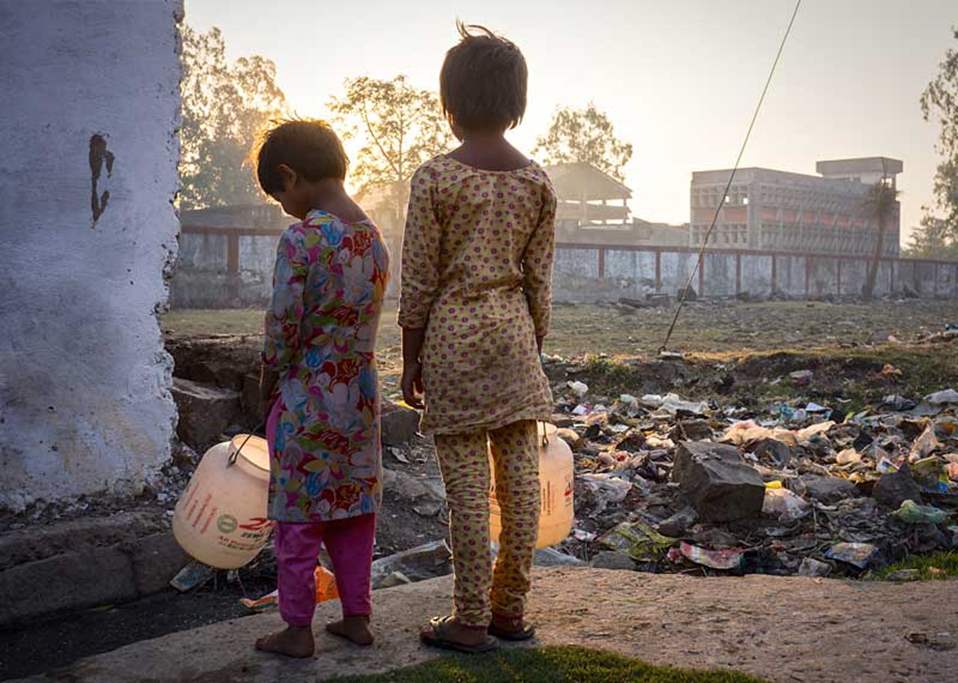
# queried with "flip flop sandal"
point(523, 632)
point(433, 635)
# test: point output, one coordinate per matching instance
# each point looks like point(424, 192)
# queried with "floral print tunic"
point(328, 289)
point(476, 273)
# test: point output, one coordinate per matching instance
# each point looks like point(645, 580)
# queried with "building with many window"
point(792, 212)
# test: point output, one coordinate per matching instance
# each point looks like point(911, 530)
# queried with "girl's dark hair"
point(482, 85)
point(308, 146)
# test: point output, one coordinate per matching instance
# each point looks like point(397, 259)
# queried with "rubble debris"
point(912, 513)
point(400, 423)
point(639, 540)
point(858, 555)
point(823, 489)
point(612, 559)
point(943, 398)
point(784, 505)
point(805, 485)
point(679, 523)
point(812, 567)
point(903, 575)
point(801, 378)
point(894, 488)
point(550, 557)
point(204, 412)
point(193, 575)
point(726, 558)
point(719, 485)
point(425, 561)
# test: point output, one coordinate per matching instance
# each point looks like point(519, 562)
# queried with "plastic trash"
point(638, 539)
point(911, 512)
point(925, 444)
point(849, 456)
point(785, 505)
point(325, 590)
point(815, 568)
point(606, 488)
point(580, 389)
point(193, 575)
point(858, 555)
point(944, 397)
point(726, 558)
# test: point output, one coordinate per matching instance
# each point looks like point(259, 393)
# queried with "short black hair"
point(482, 85)
point(308, 146)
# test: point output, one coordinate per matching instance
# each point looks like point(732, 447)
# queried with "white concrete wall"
point(85, 405)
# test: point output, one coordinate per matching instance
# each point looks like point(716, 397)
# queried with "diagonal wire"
point(728, 186)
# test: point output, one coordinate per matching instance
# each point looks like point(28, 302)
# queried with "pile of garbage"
point(669, 485)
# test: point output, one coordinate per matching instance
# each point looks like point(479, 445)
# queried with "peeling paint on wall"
point(100, 157)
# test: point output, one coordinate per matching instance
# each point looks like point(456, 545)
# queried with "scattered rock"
point(394, 579)
point(720, 486)
point(613, 559)
point(859, 555)
point(399, 424)
point(691, 430)
point(823, 489)
point(903, 575)
point(204, 410)
point(679, 523)
point(550, 557)
point(812, 567)
point(426, 561)
point(894, 488)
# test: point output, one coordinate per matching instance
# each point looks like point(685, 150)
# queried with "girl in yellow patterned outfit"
point(475, 303)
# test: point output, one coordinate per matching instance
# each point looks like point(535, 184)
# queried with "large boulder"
point(205, 411)
point(719, 485)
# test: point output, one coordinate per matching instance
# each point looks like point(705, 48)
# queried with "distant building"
point(593, 208)
point(792, 212)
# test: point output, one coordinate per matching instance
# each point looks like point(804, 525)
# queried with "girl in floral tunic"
point(474, 308)
point(319, 382)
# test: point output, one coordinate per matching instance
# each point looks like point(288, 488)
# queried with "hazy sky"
point(678, 78)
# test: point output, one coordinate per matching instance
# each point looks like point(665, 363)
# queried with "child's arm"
point(284, 316)
point(537, 267)
point(420, 281)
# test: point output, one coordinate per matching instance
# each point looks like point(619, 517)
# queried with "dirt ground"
point(781, 629)
point(704, 328)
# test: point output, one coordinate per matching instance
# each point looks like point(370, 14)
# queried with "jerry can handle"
point(545, 433)
point(231, 460)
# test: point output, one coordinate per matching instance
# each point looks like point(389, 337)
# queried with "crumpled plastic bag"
point(911, 512)
point(606, 488)
point(786, 505)
point(638, 539)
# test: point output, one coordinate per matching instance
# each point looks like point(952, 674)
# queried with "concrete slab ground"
point(782, 629)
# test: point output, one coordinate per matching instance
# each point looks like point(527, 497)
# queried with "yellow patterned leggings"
point(464, 461)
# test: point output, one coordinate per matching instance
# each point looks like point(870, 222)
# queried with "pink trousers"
point(349, 543)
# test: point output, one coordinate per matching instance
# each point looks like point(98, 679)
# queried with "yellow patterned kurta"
point(476, 273)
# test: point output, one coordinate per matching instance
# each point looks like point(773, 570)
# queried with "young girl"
point(319, 383)
point(475, 302)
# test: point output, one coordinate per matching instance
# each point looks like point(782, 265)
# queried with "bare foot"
point(353, 629)
point(293, 642)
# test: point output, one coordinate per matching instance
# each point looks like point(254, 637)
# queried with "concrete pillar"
point(88, 237)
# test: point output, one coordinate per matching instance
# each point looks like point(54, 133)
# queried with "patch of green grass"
point(610, 377)
point(937, 566)
point(546, 665)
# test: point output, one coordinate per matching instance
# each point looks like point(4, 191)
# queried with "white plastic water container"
point(556, 487)
point(221, 517)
